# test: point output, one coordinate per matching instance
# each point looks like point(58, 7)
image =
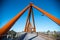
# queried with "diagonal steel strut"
point(7, 26)
point(56, 20)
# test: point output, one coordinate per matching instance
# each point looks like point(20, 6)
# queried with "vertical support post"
point(34, 29)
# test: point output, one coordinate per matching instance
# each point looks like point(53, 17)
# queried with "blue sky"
point(10, 8)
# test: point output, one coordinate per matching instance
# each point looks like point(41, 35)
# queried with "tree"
point(54, 32)
point(48, 31)
point(12, 33)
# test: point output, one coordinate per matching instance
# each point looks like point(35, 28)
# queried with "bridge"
point(28, 26)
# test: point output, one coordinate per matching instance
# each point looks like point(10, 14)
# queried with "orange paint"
point(56, 20)
point(6, 27)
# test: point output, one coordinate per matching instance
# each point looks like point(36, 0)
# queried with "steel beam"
point(33, 21)
point(6, 27)
point(56, 20)
point(28, 19)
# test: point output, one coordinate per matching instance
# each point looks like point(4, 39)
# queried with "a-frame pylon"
point(28, 26)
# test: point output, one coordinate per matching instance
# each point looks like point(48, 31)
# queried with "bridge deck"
point(33, 36)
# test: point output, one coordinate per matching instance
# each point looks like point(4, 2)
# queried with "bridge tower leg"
point(28, 20)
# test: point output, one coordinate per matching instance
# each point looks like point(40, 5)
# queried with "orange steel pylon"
point(28, 27)
point(7, 26)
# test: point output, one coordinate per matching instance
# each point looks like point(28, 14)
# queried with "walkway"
point(33, 36)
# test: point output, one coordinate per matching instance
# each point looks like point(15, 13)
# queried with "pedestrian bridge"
point(28, 27)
